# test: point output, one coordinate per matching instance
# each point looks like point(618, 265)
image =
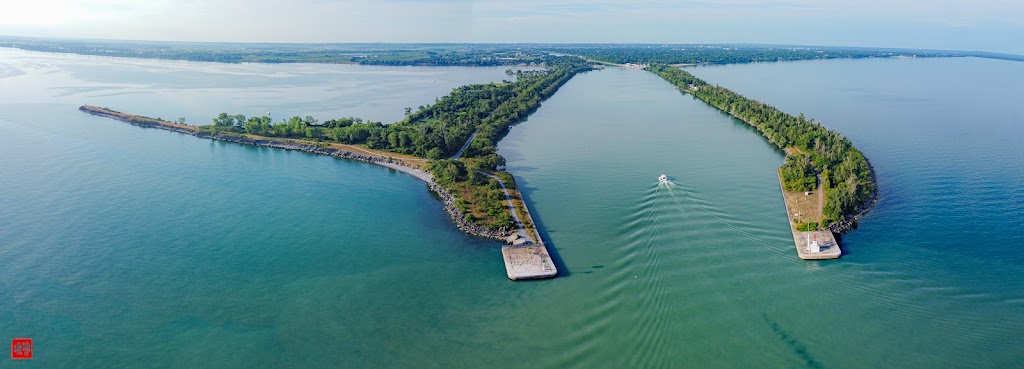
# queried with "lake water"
point(127, 247)
point(200, 91)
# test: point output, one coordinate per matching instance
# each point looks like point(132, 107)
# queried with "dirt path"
point(821, 197)
point(378, 153)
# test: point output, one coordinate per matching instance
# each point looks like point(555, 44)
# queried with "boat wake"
point(682, 196)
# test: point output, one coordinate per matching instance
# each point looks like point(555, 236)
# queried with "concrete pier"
point(826, 242)
point(526, 257)
point(528, 262)
point(828, 247)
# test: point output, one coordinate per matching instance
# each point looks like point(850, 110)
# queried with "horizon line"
point(749, 44)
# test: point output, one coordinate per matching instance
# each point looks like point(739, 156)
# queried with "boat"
point(663, 179)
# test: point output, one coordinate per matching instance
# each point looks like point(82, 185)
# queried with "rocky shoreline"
point(449, 200)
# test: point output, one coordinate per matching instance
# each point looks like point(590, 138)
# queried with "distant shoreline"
point(309, 147)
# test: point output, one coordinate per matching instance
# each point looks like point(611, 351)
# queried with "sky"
point(988, 25)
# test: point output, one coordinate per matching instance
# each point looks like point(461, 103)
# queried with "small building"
point(813, 246)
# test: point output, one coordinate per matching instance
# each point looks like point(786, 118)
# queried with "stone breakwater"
point(447, 198)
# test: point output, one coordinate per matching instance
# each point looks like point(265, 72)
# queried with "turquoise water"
point(931, 275)
point(128, 247)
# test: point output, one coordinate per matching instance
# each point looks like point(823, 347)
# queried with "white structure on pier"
point(812, 246)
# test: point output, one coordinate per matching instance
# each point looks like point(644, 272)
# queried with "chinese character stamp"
point(21, 348)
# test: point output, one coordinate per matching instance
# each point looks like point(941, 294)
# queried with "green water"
point(130, 247)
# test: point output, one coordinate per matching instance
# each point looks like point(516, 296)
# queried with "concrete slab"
point(826, 242)
point(528, 262)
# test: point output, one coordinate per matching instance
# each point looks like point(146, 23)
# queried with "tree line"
point(845, 172)
point(470, 57)
point(371, 54)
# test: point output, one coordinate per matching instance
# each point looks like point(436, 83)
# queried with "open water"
point(130, 247)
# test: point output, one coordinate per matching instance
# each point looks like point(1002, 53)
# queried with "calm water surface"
point(704, 274)
point(127, 247)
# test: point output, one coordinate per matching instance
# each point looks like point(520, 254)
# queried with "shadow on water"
point(513, 155)
point(519, 169)
point(792, 343)
point(839, 241)
point(736, 122)
point(538, 221)
point(740, 124)
point(523, 116)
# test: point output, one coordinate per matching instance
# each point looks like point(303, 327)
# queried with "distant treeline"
point(183, 53)
point(848, 180)
point(368, 54)
point(697, 54)
point(461, 54)
point(466, 57)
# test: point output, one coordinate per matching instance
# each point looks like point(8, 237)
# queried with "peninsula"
point(526, 257)
point(827, 183)
point(451, 145)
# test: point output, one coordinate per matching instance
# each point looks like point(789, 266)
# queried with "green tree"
point(448, 171)
point(224, 120)
point(798, 173)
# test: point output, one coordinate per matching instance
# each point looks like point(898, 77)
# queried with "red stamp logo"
point(21, 348)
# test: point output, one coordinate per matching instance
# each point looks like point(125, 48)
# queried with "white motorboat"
point(663, 179)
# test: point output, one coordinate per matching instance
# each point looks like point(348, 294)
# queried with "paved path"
point(512, 208)
point(464, 146)
point(530, 261)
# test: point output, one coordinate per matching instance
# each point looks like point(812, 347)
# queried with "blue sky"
point(990, 25)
